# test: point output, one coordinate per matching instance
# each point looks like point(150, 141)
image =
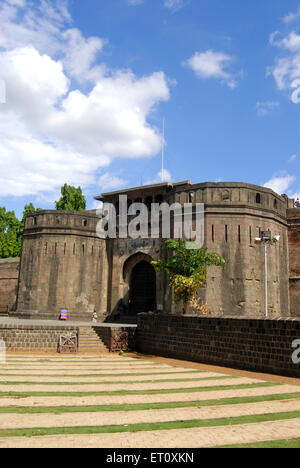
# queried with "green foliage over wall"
point(187, 269)
point(11, 230)
point(71, 199)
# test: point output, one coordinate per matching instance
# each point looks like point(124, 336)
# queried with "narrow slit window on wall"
point(92, 250)
point(84, 223)
point(35, 221)
point(65, 247)
point(239, 233)
point(46, 248)
point(226, 233)
point(258, 198)
point(82, 249)
point(225, 195)
point(55, 248)
point(213, 233)
point(275, 204)
point(250, 234)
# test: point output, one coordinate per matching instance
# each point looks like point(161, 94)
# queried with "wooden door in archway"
point(142, 296)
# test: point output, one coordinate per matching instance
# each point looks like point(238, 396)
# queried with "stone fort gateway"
point(64, 263)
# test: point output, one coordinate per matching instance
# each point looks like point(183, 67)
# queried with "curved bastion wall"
point(63, 264)
point(235, 215)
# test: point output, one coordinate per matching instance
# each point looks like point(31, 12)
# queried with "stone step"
point(87, 350)
point(91, 345)
point(90, 341)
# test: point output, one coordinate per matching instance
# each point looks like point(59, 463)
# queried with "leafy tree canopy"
point(10, 226)
point(11, 230)
point(71, 199)
point(187, 269)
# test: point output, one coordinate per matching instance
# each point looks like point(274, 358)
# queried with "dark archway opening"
point(142, 295)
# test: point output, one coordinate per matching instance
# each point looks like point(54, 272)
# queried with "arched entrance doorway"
point(142, 292)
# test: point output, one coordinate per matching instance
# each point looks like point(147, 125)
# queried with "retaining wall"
point(33, 338)
point(46, 338)
point(9, 272)
point(251, 344)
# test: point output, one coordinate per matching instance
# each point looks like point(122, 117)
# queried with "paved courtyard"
point(111, 401)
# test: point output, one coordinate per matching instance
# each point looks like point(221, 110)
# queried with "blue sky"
point(89, 83)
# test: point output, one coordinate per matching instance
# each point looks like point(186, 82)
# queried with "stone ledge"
point(261, 345)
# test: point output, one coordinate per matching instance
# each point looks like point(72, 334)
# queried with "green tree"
point(27, 210)
point(71, 199)
point(10, 239)
point(187, 269)
point(11, 230)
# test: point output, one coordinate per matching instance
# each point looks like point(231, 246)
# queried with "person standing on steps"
point(95, 317)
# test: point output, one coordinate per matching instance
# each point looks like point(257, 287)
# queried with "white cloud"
point(162, 176)
point(264, 108)
point(175, 5)
point(290, 17)
point(45, 30)
point(291, 42)
point(293, 158)
point(295, 196)
point(110, 182)
point(97, 205)
point(80, 54)
point(280, 183)
point(134, 2)
point(212, 64)
point(41, 27)
point(51, 131)
point(287, 66)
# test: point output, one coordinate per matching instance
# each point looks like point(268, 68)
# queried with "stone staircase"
point(89, 341)
point(4, 311)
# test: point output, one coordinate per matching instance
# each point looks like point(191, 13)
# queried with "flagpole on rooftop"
point(163, 152)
